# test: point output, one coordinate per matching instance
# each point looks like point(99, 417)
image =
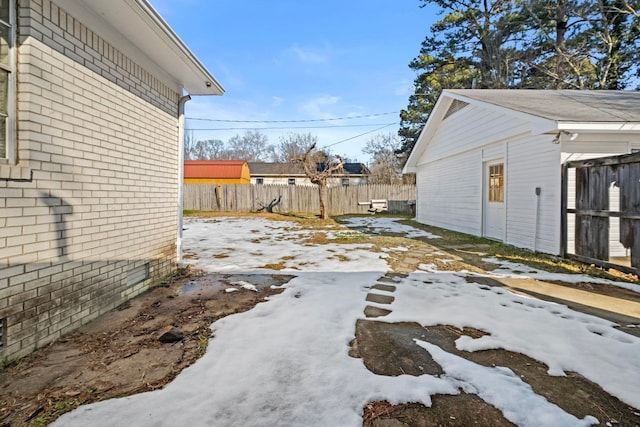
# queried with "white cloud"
point(310, 55)
point(318, 107)
point(277, 101)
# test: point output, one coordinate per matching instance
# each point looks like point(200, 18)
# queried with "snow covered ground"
point(286, 363)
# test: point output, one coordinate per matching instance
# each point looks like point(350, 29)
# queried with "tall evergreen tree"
point(476, 44)
point(538, 44)
point(581, 44)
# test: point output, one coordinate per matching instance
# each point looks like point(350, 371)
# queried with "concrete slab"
point(372, 312)
point(591, 299)
point(392, 277)
point(380, 299)
point(386, 288)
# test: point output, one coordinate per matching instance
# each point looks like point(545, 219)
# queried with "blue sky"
point(283, 60)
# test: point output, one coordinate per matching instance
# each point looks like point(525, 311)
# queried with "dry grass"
point(471, 250)
point(308, 221)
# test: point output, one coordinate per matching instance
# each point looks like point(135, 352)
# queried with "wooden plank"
point(604, 214)
point(629, 183)
point(592, 194)
point(604, 264)
point(593, 180)
point(605, 161)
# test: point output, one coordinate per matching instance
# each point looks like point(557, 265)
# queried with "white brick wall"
point(94, 195)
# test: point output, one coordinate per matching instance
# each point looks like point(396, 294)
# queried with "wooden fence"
point(294, 198)
point(601, 211)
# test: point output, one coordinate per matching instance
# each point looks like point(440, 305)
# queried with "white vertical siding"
point(448, 198)
point(450, 175)
point(533, 222)
point(470, 128)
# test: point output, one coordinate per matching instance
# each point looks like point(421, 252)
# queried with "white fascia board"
point(438, 112)
point(138, 31)
point(630, 127)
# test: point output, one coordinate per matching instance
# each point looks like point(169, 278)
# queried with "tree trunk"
point(322, 188)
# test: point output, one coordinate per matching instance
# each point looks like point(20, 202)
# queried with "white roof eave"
point(427, 131)
point(597, 127)
point(138, 31)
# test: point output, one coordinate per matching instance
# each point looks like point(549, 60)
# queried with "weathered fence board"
point(295, 198)
point(605, 189)
point(592, 194)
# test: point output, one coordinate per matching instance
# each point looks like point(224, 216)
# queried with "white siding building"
point(265, 173)
point(90, 160)
point(488, 162)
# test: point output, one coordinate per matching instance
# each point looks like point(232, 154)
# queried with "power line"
point(358, 136)
point(293, 127)
point(293, 121)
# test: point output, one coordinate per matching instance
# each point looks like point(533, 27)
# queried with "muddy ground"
point(120, 354)
point(389, 349)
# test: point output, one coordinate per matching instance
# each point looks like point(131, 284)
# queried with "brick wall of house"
point(94, 206)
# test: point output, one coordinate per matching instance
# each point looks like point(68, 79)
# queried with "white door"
point(493, 199)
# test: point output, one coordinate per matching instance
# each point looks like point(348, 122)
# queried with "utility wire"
point(293, 121)
point(294, 127)
point(357, 136)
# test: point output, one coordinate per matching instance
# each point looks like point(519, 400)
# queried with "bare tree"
point(210, 149)
point(319, 173)
point(294, 145)
point(386, 164)
point(252, 146)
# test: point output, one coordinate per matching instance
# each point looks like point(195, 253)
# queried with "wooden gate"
point(601, 211)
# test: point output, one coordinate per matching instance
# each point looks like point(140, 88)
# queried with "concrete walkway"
point(591, 299)
point(618, 309)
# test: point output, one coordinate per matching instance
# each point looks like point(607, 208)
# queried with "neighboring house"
point(354, 174)
point(489, 162)
point(90, 160)
point(293, 174)
point(216, 172)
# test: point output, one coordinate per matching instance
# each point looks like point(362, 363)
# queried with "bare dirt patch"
point(446, 411)
point(120, 353)
point(390, 349)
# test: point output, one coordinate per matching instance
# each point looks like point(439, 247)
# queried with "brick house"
point(92, 96)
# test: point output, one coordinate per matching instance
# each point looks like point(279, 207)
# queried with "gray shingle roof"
point(563, 105)
point(290, 169)
point(265, 168)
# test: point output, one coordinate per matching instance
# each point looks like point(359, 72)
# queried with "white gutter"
point(210, 82)
point(181, 104)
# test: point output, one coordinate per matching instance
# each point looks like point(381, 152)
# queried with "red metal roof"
point(213, 168)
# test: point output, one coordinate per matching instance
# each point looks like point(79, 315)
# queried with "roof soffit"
point(136, 29)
